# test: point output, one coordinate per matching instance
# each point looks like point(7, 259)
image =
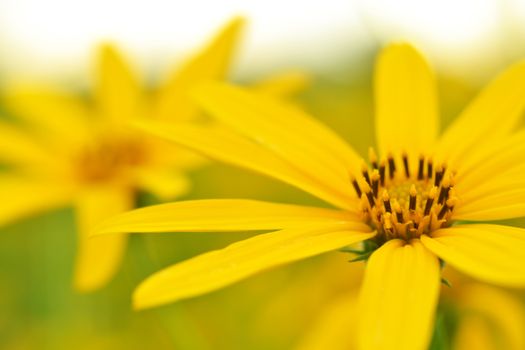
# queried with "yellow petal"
point(19, 147)
point(214, 215)
point(211, 63)
point(406, 101)
point(217, 269)
point(55, 115)
point(498, 160)
point(493, 156)
point(229, 147)
point(163, 155)
point(25, 197)
point(497, 206)
point(503, 313)
point(99, 258)
point(493, 114)
point(493, 188)
point(118, 92)
point(491, 253)
point(285, 130)
point(336, 327)
point(283, 85)
point(398, 297)
point(166, 183)
point(508, 180)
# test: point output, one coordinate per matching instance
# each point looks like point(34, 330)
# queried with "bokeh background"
point(334, 42)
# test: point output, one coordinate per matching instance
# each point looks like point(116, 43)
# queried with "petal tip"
point(401, 50)
point(107, 50)
point(237, 22)
point(142, 300)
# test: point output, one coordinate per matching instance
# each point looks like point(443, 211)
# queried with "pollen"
point(404, 198)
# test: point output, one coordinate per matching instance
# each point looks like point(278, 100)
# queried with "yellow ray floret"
point(216, 269)
point(492, 253)
point(223, 215)
point(229, 147)
point(99, 257)
point(399, 292)
point(405, 95)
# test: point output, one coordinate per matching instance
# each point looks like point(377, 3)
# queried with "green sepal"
point(446, 282)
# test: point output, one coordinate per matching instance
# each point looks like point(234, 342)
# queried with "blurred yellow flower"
point(64, 148)
point(489, 318)
point(474, 316)
point(406, 206)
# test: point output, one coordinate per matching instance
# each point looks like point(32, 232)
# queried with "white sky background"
point(46, 36)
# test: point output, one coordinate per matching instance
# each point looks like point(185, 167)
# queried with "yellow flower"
point(65, 148)
point(407, 204)
point(474, 316)
point(489, 318)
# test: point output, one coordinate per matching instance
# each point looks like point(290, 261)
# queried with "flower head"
point(405, 206)
point(407, 203)
point(74, 149)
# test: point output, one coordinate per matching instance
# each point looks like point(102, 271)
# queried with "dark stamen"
point(375, 182)
point(430, 200)
point(443, 194)
point(412, 202)
point(388, 208)
point(391, 166)
point(443, 211)
point(421, 168)
point(399, 216)
point(382, 173)
point(439, 175)
point(364, 171)
point(367, 178)
point(429, 169)
point(405, 164)
point(428, 205)
point(371, 198)
point(386, 202)
point(356, 188)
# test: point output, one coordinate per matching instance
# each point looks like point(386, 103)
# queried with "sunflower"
point(408, 204)
point(63, 148)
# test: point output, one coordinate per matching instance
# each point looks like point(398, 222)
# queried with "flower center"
point(108, 159)
point(400, 202)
